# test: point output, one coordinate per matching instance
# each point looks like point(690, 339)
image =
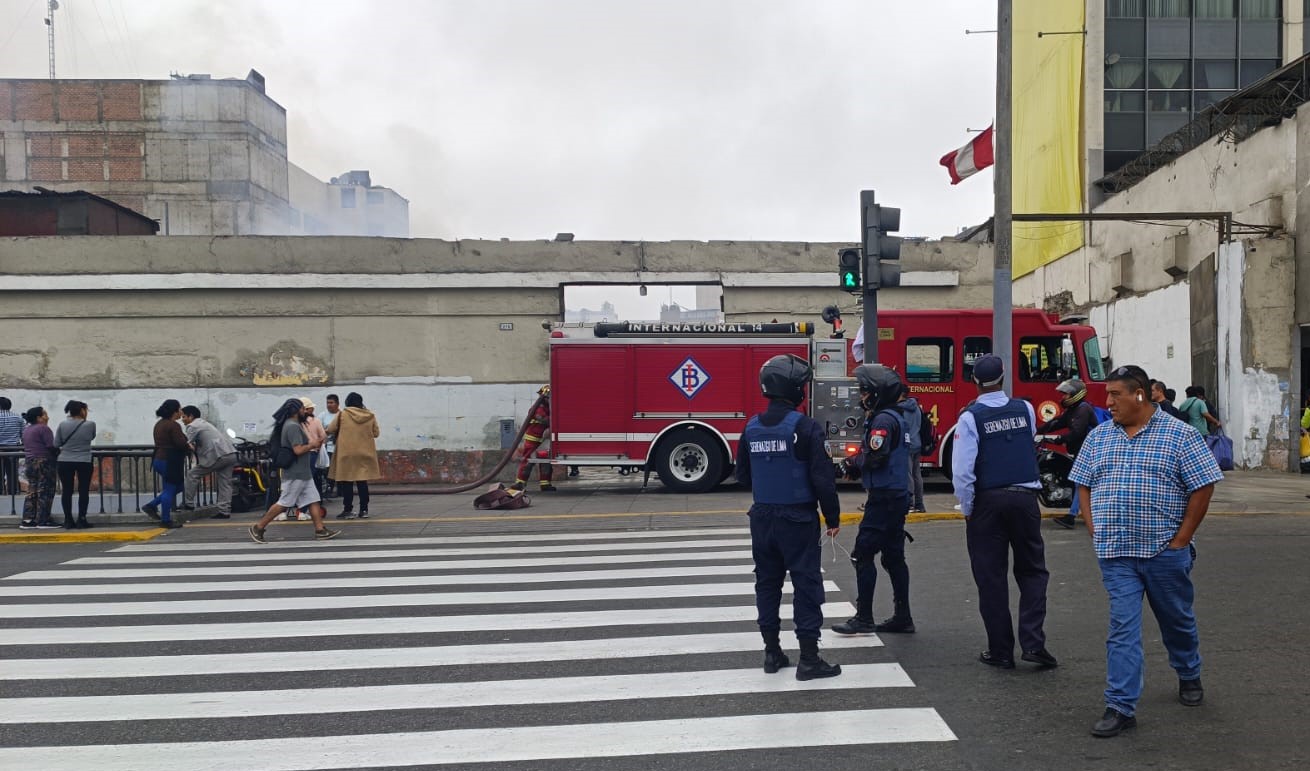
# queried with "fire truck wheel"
point(689, 461)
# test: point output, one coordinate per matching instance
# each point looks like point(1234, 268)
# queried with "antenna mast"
point(51, 7)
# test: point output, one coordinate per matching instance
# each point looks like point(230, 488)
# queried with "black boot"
point(901, 622)
point(811, 666)
point(82, 524)
point(69, 524)
point(774, 658)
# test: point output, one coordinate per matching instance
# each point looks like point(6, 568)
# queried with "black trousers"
point(347, 490)
point(882, 531)
point(66, 473)
point(779, 546)
point(1005, 521)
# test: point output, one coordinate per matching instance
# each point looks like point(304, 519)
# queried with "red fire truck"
point(674, 398)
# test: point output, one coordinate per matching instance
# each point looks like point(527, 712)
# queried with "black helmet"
point(881, 386)
point(784, 377)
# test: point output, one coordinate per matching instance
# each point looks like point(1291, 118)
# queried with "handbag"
point(1222, 449)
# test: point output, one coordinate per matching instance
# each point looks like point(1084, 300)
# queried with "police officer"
point(885, 474)
point(781, 457)
point(994, 470)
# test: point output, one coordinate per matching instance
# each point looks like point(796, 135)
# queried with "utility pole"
point(870, 283)
point(51, 7)
point(1002, 186)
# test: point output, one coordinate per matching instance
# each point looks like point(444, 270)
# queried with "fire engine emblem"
point(689, 377)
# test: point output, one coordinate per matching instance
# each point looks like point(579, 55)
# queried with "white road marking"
point(349, 627)
point(313, 602)
point(231, 571)
point(546, 690)
point(66, 668)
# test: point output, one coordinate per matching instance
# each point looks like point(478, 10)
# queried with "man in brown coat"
point(356, 460)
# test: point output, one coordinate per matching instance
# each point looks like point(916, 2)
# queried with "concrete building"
point(442, 338)
point(348, 205)
point(203, 156)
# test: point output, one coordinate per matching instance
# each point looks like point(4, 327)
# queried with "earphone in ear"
point(1139, 397)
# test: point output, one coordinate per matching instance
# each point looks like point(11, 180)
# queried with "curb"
point(104, 536)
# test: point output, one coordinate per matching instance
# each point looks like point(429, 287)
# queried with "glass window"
point(1214, 38)
point(347, 197)
point(1261, 9)
point(1170, 101)
point(1206, 98)
point(974, 348)
point(1124, 9)
point(1125, 73)
point(1124, 132)
point(1161, 125)
point(929, 360)
point(1040, 359)
point(1169, 74)
point(1260, 40)
point(1168, 8)
point(1169, 38)
point(1092, 353)
point(1215, 9)
point(1254, 70)
point(1125, 101)
point(1125, 38)
point(1216, 74)
point(374, 197)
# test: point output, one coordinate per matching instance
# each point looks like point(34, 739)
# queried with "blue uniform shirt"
point(810, 450)
point(964, 455)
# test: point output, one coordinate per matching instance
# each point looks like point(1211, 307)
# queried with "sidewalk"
point(603, 500)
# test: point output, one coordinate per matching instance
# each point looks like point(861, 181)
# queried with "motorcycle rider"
point(783, 461)
point(886, 475)
point(1077, 421)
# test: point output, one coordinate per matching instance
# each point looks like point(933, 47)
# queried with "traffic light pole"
point(872, 265)
point(1002, 271)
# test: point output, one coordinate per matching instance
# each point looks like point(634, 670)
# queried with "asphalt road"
point(661, 666)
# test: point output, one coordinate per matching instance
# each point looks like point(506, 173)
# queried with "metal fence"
point(122, 479)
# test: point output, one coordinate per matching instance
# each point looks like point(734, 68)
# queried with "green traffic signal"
point(850, 280)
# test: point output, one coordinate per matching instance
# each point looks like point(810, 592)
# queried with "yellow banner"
point(1047, 144)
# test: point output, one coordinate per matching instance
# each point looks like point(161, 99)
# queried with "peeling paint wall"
point(1152, 331)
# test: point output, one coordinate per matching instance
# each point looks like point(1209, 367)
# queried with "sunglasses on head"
point(1131, 372)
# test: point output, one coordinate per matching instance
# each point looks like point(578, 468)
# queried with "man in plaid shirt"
point(1146, 479)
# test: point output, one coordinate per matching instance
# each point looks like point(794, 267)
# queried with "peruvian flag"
point(970, 159)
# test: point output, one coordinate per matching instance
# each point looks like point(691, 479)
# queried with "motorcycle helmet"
point(543, 391)
point(1074, 391)
point(784, 377)
point(880, 386)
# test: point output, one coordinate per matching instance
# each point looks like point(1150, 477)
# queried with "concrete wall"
point(1151, 331)
point(236, 325)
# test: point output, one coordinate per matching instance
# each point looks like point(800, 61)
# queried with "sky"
point(608, 119)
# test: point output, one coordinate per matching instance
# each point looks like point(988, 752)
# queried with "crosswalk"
point(534, 650)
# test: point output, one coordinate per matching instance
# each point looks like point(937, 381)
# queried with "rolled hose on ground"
point(484, 479)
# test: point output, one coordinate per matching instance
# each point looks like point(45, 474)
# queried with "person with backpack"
point(914, 419)
point(1077, 421)
point(293, 453)
point(1197, 411)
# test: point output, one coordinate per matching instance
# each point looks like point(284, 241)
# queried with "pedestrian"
point(1077, 420)
point(298, 489)
point(73, 439)
point(533, 438)
point(317, 434)
point(885, 474)
point(333, 405)
point(1209, 406)
point(1160, 398)
point(356, 459)
point(1197, 413)
point(39, 454)
point(1146, 480)
point(913, 417)
point(169, 463)
point(994, 470)
point(11, 440)
point(783, 460)
point(215, 454)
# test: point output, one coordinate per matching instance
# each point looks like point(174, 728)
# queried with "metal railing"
point(121, 480)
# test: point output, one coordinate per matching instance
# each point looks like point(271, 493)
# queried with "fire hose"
point(485, 478)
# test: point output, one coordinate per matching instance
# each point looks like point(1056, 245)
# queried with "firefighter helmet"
point(543, 391)
point(784, 377)
point(880, 385)
point(1074, 391)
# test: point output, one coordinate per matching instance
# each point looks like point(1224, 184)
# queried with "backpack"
point(927, 439)
point(281, 457)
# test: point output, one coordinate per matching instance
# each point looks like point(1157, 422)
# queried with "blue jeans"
point(168, 491)
point(1166, 581)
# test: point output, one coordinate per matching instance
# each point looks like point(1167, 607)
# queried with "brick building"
point(203, 156)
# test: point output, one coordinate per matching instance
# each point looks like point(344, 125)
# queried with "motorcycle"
point(1053, 467)
point(251, 479)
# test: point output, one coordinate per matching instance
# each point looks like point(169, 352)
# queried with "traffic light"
point(882, 251)
point(848, 266)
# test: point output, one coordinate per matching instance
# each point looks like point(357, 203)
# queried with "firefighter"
point(885, 475)
point(792, 480)
point(533, 438)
